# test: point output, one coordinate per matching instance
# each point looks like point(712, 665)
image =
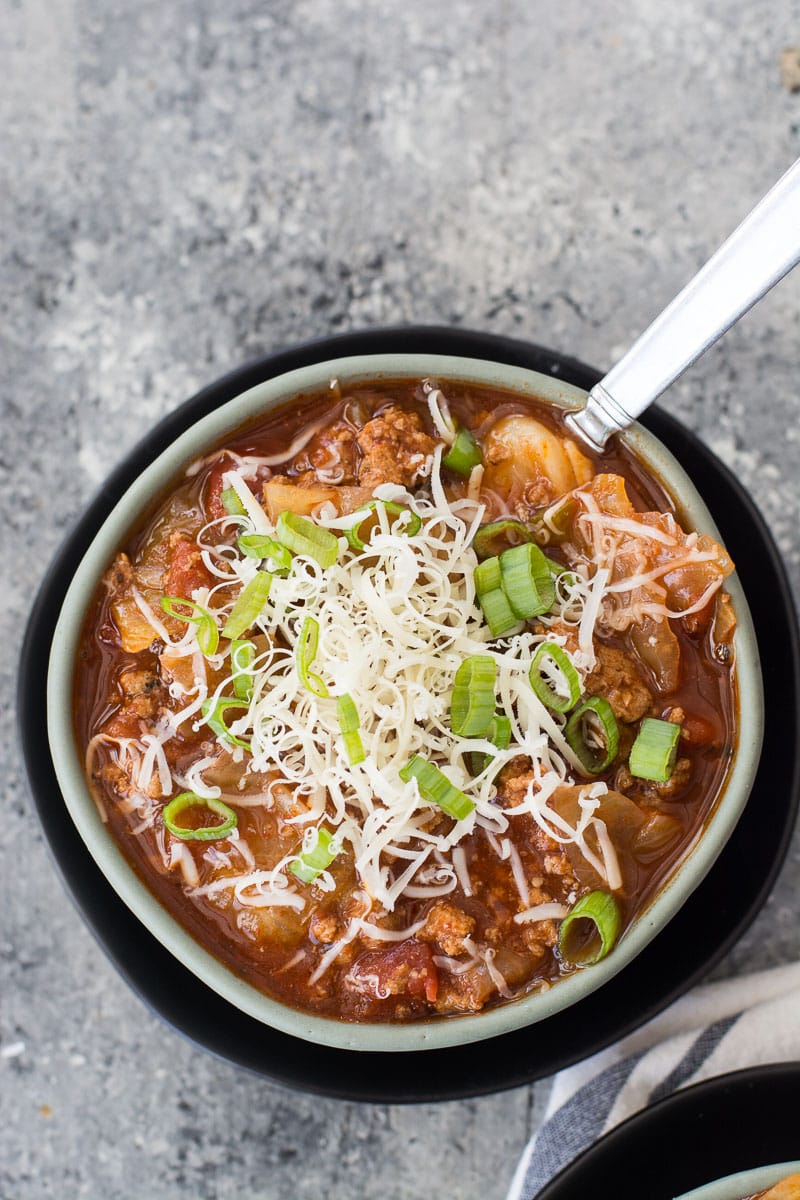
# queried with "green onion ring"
point(231, 503)
point(497, 612)
point(205, 833)
point(500, 731)
point(206, 627)
point(544, 692)
point(248, 606)
point(304, 655)
point(655, 749)
point(258, 545)
point(602, 910)
point(350, 725)
point(497, 536)
point(354, 748)
point(492, 598)
point(499, 735)
point(472, 702)
point(527, 581)
point(436, 788)
point(488, 576)
point(591, 762)
point(242, 655)
point(313, 862)
point(464, 454)
point(214, 714)
point(302, 536)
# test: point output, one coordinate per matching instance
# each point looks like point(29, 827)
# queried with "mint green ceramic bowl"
point(745, 1183)
point(440, 1032)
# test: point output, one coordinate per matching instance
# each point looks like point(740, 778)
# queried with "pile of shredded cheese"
point(395, 622)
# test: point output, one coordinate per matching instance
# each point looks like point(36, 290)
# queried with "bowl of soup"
point(401, 719)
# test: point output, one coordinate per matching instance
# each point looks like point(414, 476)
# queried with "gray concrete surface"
point(186, 185)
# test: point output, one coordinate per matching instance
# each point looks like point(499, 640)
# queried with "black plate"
point(725, 1125)
point(734, 891)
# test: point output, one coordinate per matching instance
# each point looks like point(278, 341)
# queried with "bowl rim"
point(743, 1183)
point(436, 1032)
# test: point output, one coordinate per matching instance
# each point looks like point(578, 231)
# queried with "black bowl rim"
point(490, 1072)
point(736, 1101)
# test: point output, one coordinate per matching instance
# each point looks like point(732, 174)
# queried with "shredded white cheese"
point(395, 622)
point(542, 912)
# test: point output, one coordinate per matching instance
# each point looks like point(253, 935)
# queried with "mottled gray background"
point(189, 184)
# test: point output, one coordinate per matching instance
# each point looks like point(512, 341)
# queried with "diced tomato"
point(187, 570)
point(214, 487)
point(408, 968)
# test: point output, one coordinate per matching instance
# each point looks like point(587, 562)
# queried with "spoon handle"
point(757, 254)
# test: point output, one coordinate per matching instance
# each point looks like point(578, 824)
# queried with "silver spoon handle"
point(757, 254)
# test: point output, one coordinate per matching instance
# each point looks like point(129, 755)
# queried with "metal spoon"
point(757, 254)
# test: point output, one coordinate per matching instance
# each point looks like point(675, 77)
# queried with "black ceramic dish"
point(734, 890)
point(725, 1125)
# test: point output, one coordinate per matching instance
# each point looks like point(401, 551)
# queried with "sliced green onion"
point(654, 752)
point(204, 833)
point(548, 695)
point(492, 598)
point(347, 713)
point(464, 454)
point(304, 655)
point(497, 536)
point(411, 527)
point(436, 788)
point(313, 862)
point(242, 656)
point(350, 725)
point(207, 631)
point(514, 587)
point(231, 503)
point(499, 734)
point(248, 606)
point(500, 731)
point(591, 760)
point(527, 581)
point(258, 545)
point(488, 576)
point(472, 703)
point(583, 946)
point(354, 748)
point(497, 612)
point(214, 713)
point(302, 536)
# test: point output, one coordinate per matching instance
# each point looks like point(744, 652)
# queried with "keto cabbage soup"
point(402, 704)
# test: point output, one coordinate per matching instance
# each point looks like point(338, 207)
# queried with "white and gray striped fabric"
point(719, 1027)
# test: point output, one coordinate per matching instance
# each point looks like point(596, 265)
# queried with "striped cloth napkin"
point(719, 1027)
